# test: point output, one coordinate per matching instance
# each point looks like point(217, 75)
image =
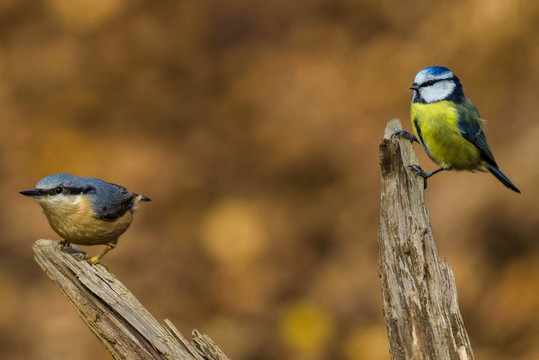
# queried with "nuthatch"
point(85, 211)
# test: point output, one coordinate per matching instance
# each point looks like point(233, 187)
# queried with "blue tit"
point(448, 126)
point(84, 210)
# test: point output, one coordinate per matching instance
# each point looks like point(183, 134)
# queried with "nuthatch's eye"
point(59, 190)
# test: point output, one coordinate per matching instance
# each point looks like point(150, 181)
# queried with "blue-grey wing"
point(474, 134)
point(116, 201)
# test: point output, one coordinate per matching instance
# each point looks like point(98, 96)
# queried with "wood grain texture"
point(418, 288)
point(112, 312)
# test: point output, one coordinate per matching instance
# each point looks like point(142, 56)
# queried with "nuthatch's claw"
point(95, 261)
point(72, 250)
point(81, 256)
point(62, 244)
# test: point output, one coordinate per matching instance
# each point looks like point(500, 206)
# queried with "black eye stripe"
point(67, 190)
point(434, 81)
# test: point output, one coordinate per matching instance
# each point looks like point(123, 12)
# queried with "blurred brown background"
point(254, 127)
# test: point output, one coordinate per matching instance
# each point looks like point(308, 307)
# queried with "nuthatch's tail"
point(503, 179)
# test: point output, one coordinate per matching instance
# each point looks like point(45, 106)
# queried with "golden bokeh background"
point(254, 127)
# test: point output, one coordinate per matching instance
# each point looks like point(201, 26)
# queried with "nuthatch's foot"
point(95, 261)
point(81, 256)
point(62, 244)
point(405, 134)
point(70, 249)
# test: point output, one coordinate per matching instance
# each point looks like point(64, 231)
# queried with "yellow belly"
point(75, 222)
point(435, 125)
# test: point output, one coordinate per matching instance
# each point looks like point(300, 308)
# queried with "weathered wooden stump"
point(418, 288)
point(114, 315)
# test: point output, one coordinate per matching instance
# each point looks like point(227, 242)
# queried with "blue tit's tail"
point(501, 176)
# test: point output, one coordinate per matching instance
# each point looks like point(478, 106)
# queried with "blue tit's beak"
point(32, 193)
point(413, 87)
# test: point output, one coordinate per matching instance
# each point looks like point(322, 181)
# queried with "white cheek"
point(59, 201)
point(437, 92)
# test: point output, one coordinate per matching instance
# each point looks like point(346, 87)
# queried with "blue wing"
point(470, 127)
point(113, 201)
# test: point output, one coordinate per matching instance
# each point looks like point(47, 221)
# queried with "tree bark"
point(418, 288)
point(114, 315)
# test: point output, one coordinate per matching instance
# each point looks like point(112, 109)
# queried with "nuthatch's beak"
point(32, 193)
point(413, 87)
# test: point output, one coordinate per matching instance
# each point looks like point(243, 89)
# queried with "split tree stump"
point(114, 315)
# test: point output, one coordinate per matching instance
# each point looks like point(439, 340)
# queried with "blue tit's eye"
point(59, 190)
point(430, 82)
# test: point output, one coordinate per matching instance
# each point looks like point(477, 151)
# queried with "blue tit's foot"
point(405, 134)
point(425, 175)
point(420, 172)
